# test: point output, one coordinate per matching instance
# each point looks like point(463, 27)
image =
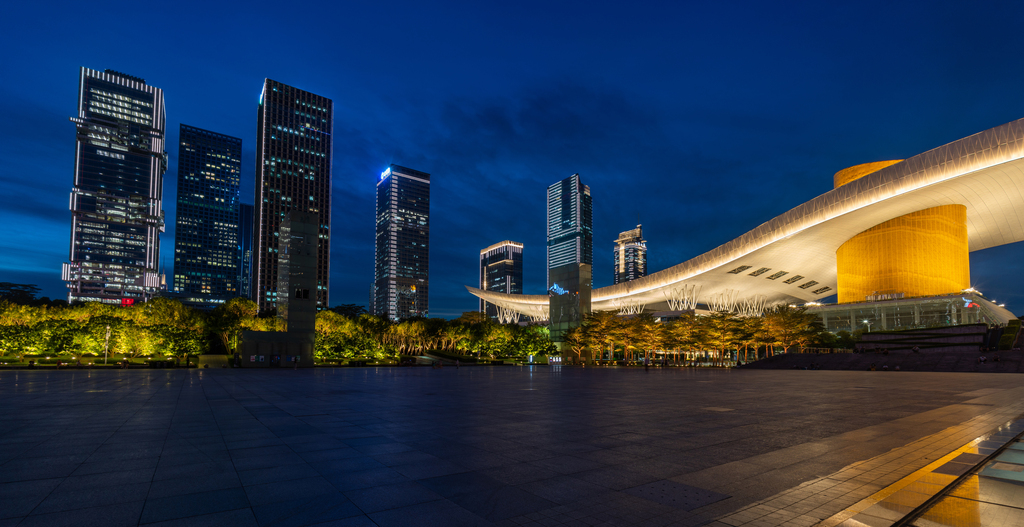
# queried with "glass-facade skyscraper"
point(501, 270)
point(116, 201)
point(630, 255)
point(245, 254)
point(206, 230)
point(402, 244)
point(293, 167)
point(570, 224)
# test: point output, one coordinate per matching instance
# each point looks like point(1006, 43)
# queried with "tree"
point(682, 333)
point(790, 326)
point(751, 334)
point(133, 341)
point(722, 332)
point(229, 319)
point(350, 311)
point(576, 339)
point(473, 317)
point(332, 333)
point(601, 328)
point(23, 294)
point(624, 333)
point(650, 334)
point(532, 340)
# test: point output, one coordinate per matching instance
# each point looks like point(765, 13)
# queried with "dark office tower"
point(501, 269)
point(245, 250)
point(293, 169)
point(402, 244)
point(116, 212)
point(630, 255)
point(206, 237)
point(570, 224)
point(298, 272)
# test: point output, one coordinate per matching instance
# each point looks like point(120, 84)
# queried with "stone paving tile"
point(115, 515)
point(222, 447)
point(235, 518)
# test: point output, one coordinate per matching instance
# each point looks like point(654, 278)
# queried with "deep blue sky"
point(701, 119)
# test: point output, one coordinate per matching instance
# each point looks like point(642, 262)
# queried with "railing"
point(821, 350)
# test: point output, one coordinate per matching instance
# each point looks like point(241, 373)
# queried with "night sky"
point(699, 120)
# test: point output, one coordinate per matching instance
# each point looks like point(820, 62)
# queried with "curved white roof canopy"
point(984, 172)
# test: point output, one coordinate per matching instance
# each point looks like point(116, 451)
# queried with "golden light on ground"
point(923, 253)
point(856, 172)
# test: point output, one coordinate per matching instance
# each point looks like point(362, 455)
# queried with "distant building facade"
point(206, 233)
point(501, 270)
point(245, 253)
point(116, 201)
point(293, 167)
point(570, 227)
point(402, 244)
point(630, 255)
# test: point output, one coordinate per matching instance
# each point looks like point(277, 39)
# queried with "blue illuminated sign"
point(556, 289)
point(384, 175)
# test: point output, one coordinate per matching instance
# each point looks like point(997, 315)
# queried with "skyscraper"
point(116, 208)
point(570, 224)
point(570, 255)
point(293, 167)
point(402, 245)
point(245, 254)
point(630, 255)
point(501, 269)
point(206, 236)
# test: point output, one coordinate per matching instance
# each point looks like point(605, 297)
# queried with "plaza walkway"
point(479, 446)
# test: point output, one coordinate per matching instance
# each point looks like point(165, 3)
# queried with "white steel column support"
point(724, 301)
point(682, 298)
point(630, 307)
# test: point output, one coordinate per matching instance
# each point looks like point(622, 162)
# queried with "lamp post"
point(869, 325)
point(106, 344)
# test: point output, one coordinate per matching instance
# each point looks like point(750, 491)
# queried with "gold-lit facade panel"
point(856, 172)
point(923, 253)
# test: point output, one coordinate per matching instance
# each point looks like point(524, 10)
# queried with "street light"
point(869, 325)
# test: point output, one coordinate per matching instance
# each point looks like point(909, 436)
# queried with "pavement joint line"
point(882, 495)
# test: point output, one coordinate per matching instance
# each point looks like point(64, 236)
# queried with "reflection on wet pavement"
point(931, 495)
point(993, 497)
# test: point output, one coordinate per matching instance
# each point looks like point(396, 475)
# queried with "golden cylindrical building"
point(923, 253)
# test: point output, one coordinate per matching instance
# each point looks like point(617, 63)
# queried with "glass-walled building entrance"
point(912, 313)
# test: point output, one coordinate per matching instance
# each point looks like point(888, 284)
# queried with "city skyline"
point(656, 119)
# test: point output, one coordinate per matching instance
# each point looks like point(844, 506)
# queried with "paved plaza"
point(476, 445)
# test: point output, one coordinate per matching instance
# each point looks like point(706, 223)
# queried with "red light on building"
point(127, 301)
